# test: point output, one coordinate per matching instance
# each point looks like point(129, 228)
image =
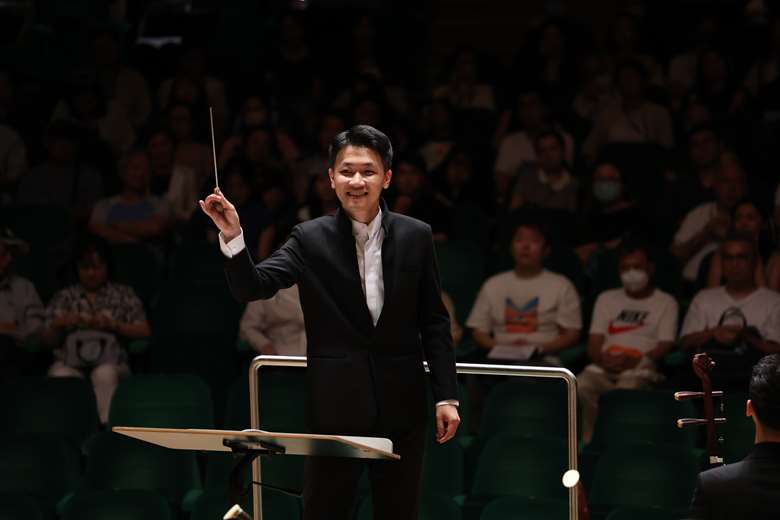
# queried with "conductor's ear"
point(330, 175)
point(388, 178)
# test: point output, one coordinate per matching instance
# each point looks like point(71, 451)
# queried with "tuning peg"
point(682, 423)
point(685, 395)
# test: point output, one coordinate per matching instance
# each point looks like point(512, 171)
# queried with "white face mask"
point(634, 280)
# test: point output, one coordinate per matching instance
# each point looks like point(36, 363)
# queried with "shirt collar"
point(372, 228)
point(557, 184)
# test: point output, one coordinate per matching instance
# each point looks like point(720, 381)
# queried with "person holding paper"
point(528, 310)
point(632, 328)
point(371, 298)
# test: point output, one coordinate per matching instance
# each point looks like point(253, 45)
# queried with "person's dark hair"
point(764, 391)
point(704, 127)
point(530, 221)
point(90, 246)
point(634, 244)
point(740, 236)
point(749, 202)
point(63, 129)
point(550, 133)
point(363, 136)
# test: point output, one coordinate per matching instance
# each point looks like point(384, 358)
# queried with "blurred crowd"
point(620, 194)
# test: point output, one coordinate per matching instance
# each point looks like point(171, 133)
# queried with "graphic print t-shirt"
point(531, 309)
point(634, 326)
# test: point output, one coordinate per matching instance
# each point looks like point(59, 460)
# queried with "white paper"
point(512, 352)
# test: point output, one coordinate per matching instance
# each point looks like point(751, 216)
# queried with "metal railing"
point(462, 368)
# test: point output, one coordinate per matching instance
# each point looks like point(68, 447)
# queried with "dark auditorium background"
point(598, 123)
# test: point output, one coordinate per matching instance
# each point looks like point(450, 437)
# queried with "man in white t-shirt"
point(275, 326)
point(739, 321)
point(528, 306)
point(631, 329)
point(705, 225)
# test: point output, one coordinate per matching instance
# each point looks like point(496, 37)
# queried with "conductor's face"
point(358, 176)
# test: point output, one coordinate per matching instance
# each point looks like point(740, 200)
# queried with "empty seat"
point(162, 401)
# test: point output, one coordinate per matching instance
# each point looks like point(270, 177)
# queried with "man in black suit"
point(749, 488)
point(369, 288)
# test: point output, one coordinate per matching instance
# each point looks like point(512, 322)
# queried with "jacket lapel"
point(388, 259)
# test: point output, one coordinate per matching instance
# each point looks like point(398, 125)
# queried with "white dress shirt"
point(368, 245)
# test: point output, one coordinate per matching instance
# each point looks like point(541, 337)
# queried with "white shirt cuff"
point(232, 248)
point(453, 402)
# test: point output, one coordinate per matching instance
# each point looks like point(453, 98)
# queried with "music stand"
point(254, 443)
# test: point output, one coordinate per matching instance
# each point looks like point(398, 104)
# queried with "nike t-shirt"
point(532, 309)
point(634, 325)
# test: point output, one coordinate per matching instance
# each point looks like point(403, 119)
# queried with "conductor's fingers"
point(440, 427)
point(452, 428)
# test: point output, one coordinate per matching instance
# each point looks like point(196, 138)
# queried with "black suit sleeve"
point(434, 327)
point(280, 270)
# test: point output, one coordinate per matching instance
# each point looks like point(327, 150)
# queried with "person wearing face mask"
point(632, 327)
point(612, 214)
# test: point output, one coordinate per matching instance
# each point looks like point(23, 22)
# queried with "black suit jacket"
point(748, 489)
point(361, 378)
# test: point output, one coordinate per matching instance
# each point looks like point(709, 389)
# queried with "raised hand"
point(222, 213)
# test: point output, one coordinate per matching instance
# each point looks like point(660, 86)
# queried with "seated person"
point(274, 327)
point(412, 196)
point(738, 322)
point(134, 215)
point(630, 330)
point(86, 323)
point(546, 183)
point(21, 311)
point(746, 217)
point(748, 489)
point(705, 225)
point(527, 306)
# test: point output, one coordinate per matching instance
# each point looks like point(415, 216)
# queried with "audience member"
point(13, 163)
point(170, 179)
point(274, 327)
point(134, 215)
point(548, 183)
point(519, 147)
point(735, 323)
point(321, 200)
point(706, 224)
point(62, 180)
point(527, 306)
point(413, 196)
point(748, 218)
point(631, 329)
point(465, 90)
point(634, 118)
point(21, 311)
point(87, 322)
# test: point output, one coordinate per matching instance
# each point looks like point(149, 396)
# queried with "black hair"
point(532, 221)
point(704, 127)
point(634, 244)
point(741, 236)
point(363, 136)
point(764, 391)
point(550, 133)
point(90, 245)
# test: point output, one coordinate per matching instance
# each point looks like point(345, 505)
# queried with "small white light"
point(571, 478)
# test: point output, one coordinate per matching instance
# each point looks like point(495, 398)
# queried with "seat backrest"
point(118, 462)
point(531, 408)
point(162, 401)
point(43, 466)
point(642, 417)
point(117, 505)
point(516, 507)
point(521, 466)
point(60, 405)
point(644, 476)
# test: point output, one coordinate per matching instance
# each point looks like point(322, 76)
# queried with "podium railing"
point(462, 368)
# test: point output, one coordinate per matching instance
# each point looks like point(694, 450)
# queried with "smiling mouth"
point(357, 195)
